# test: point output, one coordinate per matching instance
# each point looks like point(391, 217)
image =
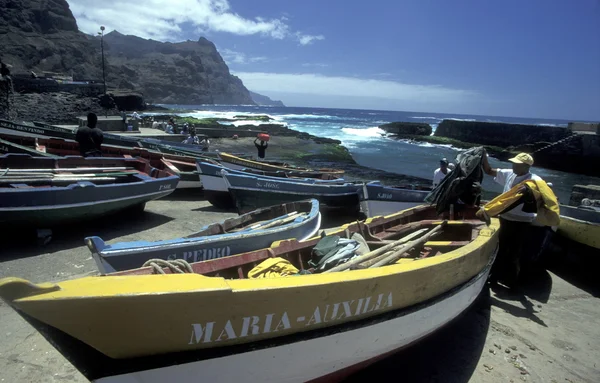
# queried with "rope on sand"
point(179, 266)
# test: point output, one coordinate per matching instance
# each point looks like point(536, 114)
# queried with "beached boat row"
point(385, 282)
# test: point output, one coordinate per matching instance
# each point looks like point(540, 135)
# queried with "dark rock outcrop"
point(128, 100)
point(580, 153)
point(259, 99)
point(412, 128)
point(499, 134)
point(43, 37)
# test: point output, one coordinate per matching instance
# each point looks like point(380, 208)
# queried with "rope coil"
point(178, 266)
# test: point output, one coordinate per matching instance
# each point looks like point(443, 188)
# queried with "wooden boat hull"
point(238, 163)
point(215, 188)
point(327, 355)
point(252, 192)
point(50, 206)
point(378, 199)
point(210, 242)
point(207, 320)
point(580, 225)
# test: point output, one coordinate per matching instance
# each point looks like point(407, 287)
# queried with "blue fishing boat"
point(43, 192)
point(379, 199)
point(217, 193)
point(252, 191)
point(255, 230)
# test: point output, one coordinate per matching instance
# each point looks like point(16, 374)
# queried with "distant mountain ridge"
point(43, 37)
point(259, 99)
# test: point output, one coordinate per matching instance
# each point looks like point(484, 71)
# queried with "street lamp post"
point(101, 33)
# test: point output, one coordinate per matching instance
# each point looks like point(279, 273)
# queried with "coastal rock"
point(577, 153)
point(128, 100)
point(498, 133)
point(411, 128)
point(43, 37)
point(259, 99)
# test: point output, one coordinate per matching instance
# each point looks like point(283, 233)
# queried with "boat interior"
point(62, 147)
point(19, 171)
point(377, 232)
point(262, 218)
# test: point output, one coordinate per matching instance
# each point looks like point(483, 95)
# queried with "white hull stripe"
point(295, 193)
point(81, 204)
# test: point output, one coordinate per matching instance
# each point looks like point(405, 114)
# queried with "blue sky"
point(527, 58)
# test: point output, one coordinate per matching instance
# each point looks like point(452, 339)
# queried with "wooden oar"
point(398, 253)
point(259, 223)
point(72, 170)
point(282, 221)
point(376, 252)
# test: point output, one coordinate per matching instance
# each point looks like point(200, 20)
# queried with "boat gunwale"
point(146, 246)
point(323, 280)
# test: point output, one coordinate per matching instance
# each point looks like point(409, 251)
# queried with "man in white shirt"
point(441, 172)
point(515, 225)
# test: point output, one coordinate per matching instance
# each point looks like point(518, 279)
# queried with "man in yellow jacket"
point(518, 237)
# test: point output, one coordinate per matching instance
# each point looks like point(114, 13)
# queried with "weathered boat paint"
point(52, 205)
point(378, 199)
point(212, 241)
point(580, 225)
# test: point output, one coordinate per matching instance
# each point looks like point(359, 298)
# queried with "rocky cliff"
point(190, 72)
point(259, 99)
point(43, 37)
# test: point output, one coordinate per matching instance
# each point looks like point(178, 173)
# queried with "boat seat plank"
point(20, 186)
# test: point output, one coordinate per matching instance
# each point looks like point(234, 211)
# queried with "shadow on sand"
point(449, 355)
point(24, 243)
point(575, 263)
point(185, 195)
point(535, 286)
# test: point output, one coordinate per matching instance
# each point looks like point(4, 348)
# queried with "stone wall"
point(584, 127)
point(24, 84)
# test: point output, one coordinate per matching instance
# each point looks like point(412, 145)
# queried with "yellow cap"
point(522, 158)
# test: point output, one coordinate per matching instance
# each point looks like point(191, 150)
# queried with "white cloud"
point(161, 19)
point(314, 84)
point(234, 57)
point(308, 39)
point(315, 65)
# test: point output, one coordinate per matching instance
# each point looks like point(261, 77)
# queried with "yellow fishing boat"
point(213, 323)
point(580, 224)
point(238, 163)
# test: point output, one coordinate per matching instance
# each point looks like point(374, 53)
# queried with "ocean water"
point(358, 130)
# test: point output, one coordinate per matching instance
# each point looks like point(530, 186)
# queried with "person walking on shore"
point(261, 148)
point(515, 225)
point(90, 137)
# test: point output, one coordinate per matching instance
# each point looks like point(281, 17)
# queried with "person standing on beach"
point(516, 233)
point(441, 172)
point(261, 148)
point(90, 137)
